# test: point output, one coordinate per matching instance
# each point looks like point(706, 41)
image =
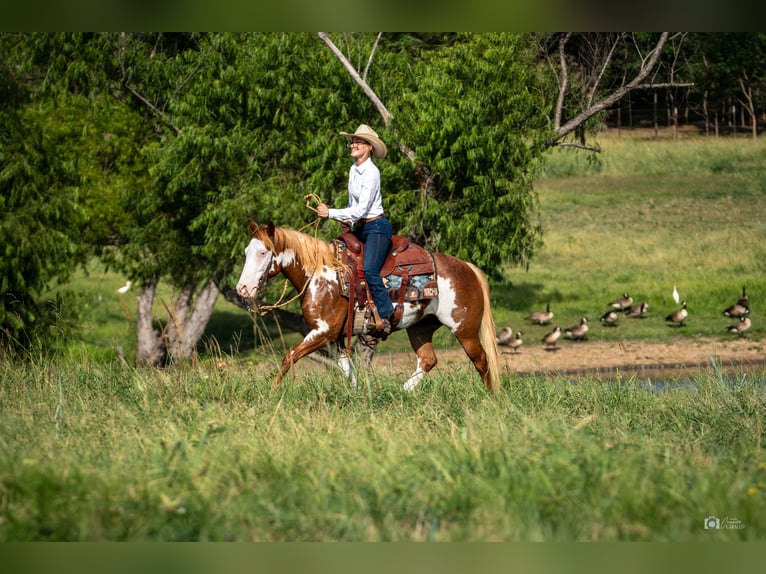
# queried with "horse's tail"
point(487, 335)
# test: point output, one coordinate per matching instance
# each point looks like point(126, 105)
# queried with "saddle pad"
point(416, 266)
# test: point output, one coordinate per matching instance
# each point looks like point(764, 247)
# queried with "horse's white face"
point(258, 263)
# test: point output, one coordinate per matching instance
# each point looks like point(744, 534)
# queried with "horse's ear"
point(253, 226)
point(270, 228)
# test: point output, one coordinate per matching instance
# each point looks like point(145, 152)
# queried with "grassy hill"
point(650, 215)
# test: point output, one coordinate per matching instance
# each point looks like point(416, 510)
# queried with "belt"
point(369, 219)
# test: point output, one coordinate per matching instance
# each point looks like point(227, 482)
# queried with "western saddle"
point(408, 273)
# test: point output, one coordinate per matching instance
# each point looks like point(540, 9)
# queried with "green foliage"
point(39, 223)
point(99, 453)
point(477, 117)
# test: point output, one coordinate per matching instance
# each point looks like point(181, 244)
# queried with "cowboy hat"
point(366, 133)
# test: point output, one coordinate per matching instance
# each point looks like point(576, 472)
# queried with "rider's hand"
point(323, 210)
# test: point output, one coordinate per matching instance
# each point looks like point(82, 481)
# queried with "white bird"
point(124, 289)
point(676, 296)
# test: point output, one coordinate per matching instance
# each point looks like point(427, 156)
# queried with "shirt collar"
point(365, 164)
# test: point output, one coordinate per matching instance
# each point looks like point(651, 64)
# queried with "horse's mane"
point(315, 254)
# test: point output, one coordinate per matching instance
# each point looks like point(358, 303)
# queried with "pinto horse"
point(311, 265)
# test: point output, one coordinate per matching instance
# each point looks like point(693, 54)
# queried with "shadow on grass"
point(233, 332)
point(522, 296)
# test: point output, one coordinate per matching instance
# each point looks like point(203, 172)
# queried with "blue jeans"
point(376, 236)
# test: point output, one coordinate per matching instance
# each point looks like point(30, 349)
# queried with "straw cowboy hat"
point(366, 133)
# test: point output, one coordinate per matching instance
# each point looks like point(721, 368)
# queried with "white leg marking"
point(414, 380)
point(348, 369)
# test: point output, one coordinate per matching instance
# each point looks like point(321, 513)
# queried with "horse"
point(312, 266)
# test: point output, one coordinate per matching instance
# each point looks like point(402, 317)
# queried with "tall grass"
point(90, 450)
point(92, 453)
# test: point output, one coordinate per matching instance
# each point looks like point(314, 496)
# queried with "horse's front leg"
point(321, 334)
point(345, 364)
point(305, 347)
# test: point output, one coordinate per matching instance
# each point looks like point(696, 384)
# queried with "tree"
point(220, 128)
point(39, 222)
point(729, 71)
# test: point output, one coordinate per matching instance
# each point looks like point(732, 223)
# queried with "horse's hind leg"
point(421, 335)
point(475, 351)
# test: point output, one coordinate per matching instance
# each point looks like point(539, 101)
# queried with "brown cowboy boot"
point(391, 323)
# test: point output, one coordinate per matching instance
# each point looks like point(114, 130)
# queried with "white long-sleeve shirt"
point(365, 199)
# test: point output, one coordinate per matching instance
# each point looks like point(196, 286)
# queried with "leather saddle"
point(408, 272)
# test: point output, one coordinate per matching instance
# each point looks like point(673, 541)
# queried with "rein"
point(264, 309)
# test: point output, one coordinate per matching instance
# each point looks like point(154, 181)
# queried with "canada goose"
point(541, 317)
point(551, 338)
point(744, 300)
point(740, 327)
point(578, 332)
point(516, 342)
point(609, 319)
point(741, 307)
point(679, 315)
point(504, 336)
point(638, 311)
point(623, 303)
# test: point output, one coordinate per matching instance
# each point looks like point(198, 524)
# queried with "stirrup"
point(396, 316)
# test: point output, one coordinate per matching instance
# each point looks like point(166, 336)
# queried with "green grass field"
point(90, 452)
point(652, 215)
point(93, 451)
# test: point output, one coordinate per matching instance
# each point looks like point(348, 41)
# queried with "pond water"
point(663, 376)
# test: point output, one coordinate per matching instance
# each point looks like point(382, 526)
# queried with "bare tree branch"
point(597, 81)
point(647, 66)
point(152, 107)
point(664, 85)
point(384, 113)
point(578, 146)
point(563, 81)
point(372, 53)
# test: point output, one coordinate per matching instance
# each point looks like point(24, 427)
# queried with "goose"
point(623, 303)
point(504, 336)
point(638, 311)
point(578, 332)
point(741, 307)
point(740, 327)
point(551, 338)
point(516, 342)
point(679, 315)
point(609, 319)
point(744, 300)
point(541, 317)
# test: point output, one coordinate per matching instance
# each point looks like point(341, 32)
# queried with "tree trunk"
point(150, 348)
point(188, 319)
point(185, 325)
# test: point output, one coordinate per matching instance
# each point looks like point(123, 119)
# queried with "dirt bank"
point(583, 356)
